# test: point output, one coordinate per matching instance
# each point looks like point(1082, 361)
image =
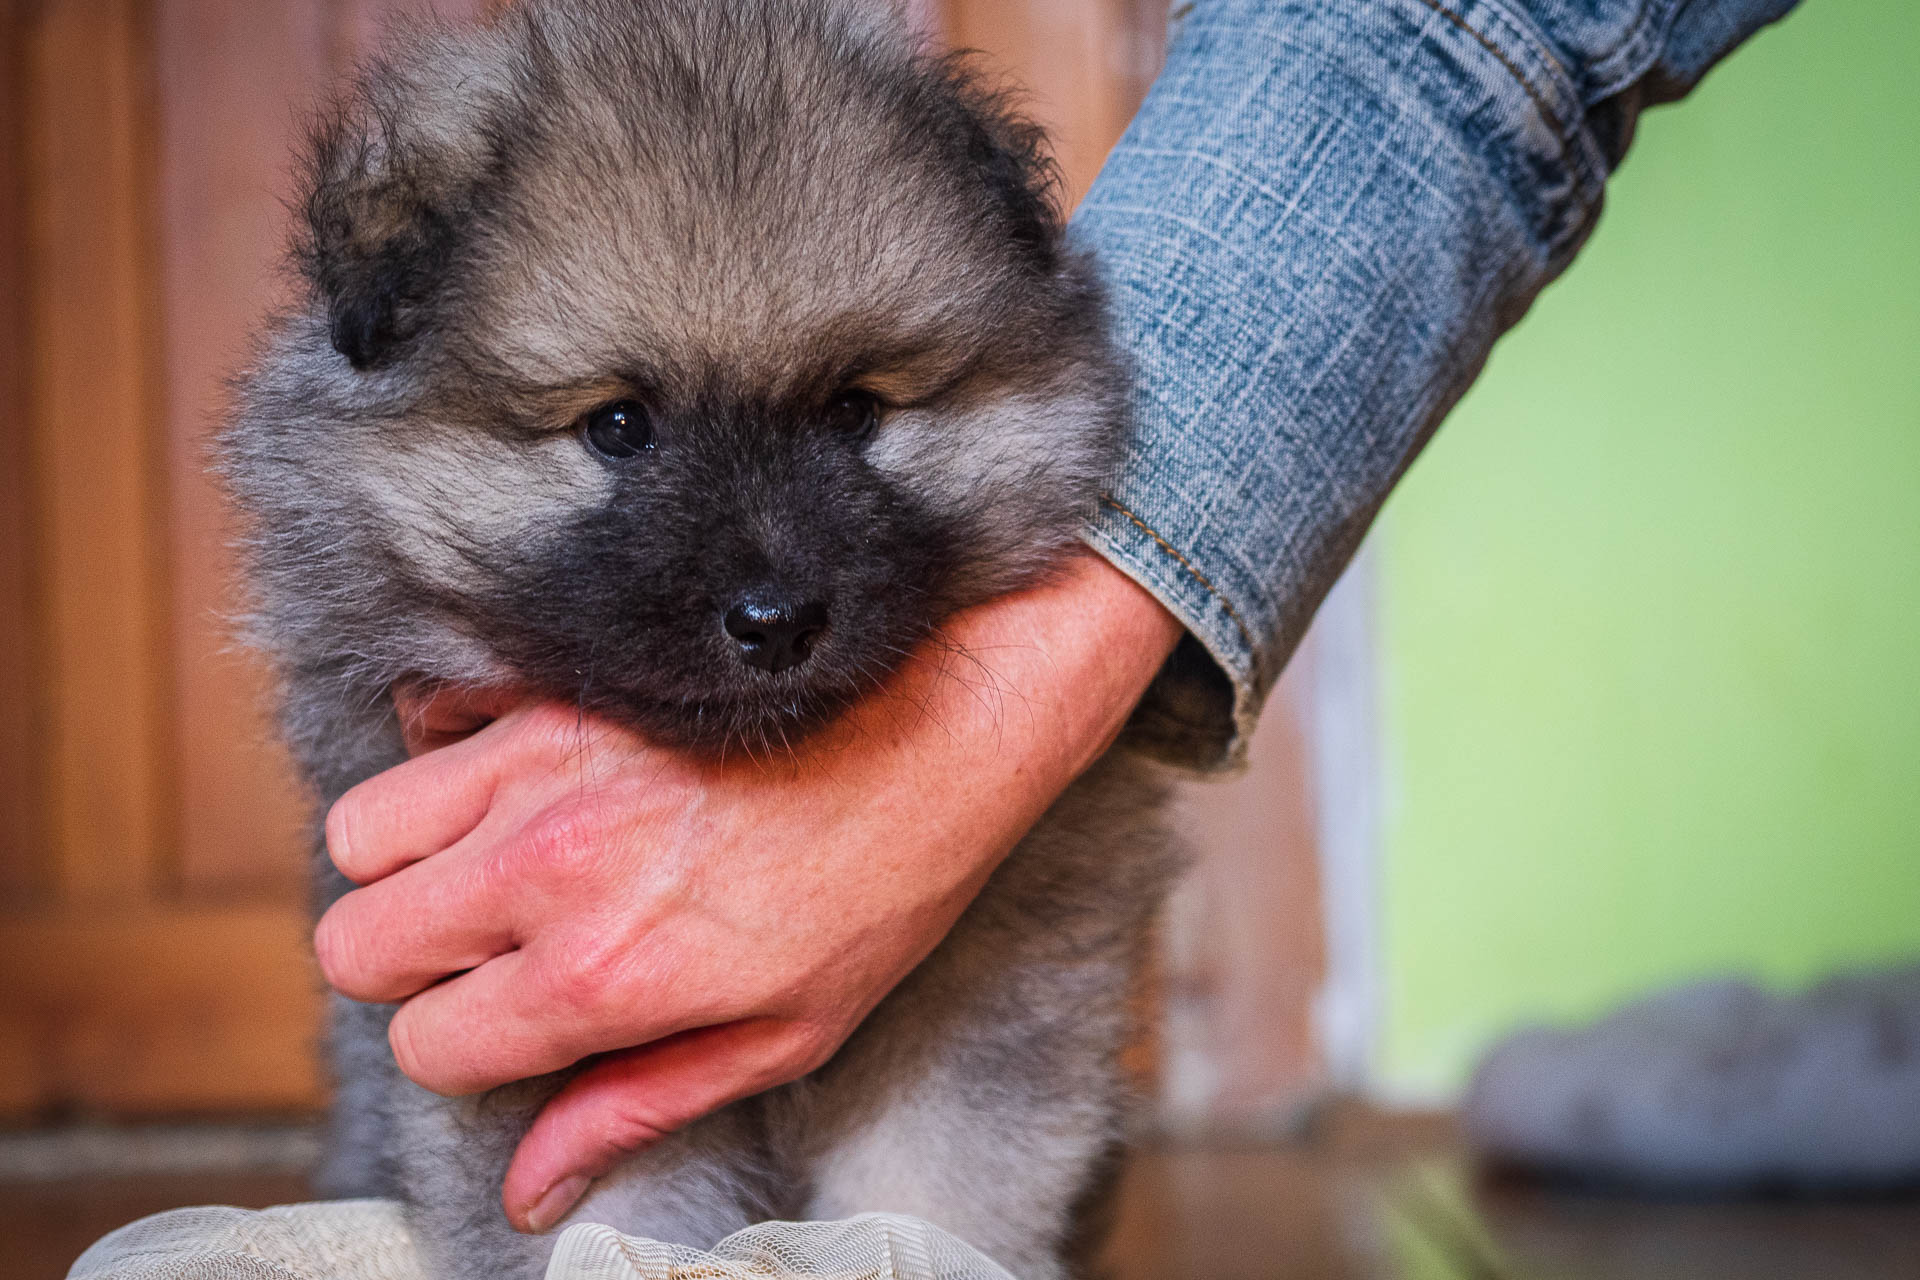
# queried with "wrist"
point(1022, 696)
point(1105, 638)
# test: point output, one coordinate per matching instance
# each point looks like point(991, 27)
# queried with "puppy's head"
point(689, 359)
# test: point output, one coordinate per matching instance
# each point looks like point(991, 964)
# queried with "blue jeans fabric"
point(1322, 217)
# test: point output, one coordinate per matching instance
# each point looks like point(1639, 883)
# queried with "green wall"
point(1650, 603)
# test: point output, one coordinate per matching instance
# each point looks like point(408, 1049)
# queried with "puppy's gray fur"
point(742, 217)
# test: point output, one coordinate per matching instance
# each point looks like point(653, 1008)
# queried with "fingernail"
point(553, 1206)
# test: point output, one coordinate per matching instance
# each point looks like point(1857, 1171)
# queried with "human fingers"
point(398, 936)
point(410, 812)
point(416, 809)
point(535, 1010)
point(630, 1100)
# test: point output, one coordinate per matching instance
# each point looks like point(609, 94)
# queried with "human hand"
point(713, 928)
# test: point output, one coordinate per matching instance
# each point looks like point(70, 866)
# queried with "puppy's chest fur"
point(692, 361)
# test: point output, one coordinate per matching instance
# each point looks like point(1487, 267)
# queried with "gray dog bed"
point(1718, 1088)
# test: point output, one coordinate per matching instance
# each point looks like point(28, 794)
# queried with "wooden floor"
point(1383, 1202)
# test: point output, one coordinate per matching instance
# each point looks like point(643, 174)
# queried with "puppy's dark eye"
point(854, 413)
point(618, 430)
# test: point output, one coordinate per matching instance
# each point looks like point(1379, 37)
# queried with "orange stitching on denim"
point(1504, 60)
point(1246, 636)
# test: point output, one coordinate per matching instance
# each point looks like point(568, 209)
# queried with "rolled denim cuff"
point(1312, 233)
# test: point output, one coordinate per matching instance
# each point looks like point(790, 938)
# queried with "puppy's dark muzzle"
point(773, 633)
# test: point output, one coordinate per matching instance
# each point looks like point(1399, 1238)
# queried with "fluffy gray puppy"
point(691, 360)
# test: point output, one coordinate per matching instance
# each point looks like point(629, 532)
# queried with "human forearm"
point(1321, 220)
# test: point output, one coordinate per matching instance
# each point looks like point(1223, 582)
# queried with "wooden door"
point(153, 952)
point(126, 988)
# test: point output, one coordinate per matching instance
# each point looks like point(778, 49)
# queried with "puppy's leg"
point(451, 1156)
point(1001, 1159)
point(984, 1094)
point(356, 1161)
point(693, 1187)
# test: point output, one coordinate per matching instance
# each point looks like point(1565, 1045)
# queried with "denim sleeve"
point(1322, 217)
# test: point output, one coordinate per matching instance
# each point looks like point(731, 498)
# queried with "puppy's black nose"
point(774, 632)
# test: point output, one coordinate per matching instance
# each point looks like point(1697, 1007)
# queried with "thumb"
point(627, 1101)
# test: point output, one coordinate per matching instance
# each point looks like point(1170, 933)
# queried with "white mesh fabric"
point(368, 1240)
point(337, 1240)
point(874, 1246)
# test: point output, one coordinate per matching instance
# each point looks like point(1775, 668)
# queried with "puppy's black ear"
point(1009, 154)
point(392, 178)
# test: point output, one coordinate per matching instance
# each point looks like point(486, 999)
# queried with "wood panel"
point(236, 80)
point(180, 1009)
point(1084, 64)
point(153, 938)
point(23, 865)
point(97, 526)
point(1245, 947)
